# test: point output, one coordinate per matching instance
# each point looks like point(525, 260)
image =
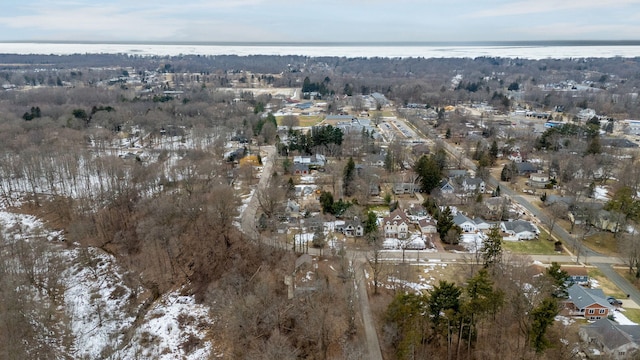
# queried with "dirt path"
point(373, 346)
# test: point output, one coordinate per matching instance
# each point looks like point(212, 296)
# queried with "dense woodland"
point(168, 216)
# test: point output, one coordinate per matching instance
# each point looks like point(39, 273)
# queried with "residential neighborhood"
point(304, 210)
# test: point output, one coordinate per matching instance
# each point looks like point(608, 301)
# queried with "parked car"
point(613, 301)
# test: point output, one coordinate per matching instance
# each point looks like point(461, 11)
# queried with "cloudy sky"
point(324, 20)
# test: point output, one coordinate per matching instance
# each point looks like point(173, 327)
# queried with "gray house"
point(611, 339)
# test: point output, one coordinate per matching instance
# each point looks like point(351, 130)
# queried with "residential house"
point(396, 225)
point(374, 189)
point(316, 161)
point(427, 226)
point(446, 187)
point(466, 224)
point(520, 229)
point(539, 180)
point(482, 224)
point(611, 340)
point(590, 303)
point(577, 275)
point(457, 173)
point(376, 160)
point(353, 228)
point(472, 185)
point(300, 169)
point(403, 188)
point(515, 156)
point(526, 168)
point(292, 206)
point(417, 210)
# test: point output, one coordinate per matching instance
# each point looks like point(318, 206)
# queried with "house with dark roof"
point(520, 229)
point(577, 275)
point(457, 173)
point(472, 185)
point(403, 188)
point(300, 169)
point(590, 303)
point(446, 187)
point(353, 228)
point(427, 226)
point(610, 339)
point(526, 168)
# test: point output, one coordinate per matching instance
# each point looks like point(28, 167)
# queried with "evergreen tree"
point(445, 222)
point(370, 223)
point(542, 317)
point(559, 278)
point(444, 296)
point(492, 248)
point(493, 152)
point(348, 175)
point(429, 172)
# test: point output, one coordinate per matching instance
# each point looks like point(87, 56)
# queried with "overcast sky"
point(322, 20)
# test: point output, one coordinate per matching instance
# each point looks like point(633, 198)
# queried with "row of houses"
point(515, 229)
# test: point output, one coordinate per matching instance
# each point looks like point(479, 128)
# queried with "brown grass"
point(606, 285)
point(602, 242)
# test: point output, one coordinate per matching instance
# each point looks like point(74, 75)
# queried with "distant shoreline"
point(533, 50)
point(536, 43)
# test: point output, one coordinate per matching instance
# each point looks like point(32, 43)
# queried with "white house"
point(482, 224)
point(520, 229)
point(466, 224)
point(470, 184)
point(396, 225)
point(539, 180)
point(427, 226)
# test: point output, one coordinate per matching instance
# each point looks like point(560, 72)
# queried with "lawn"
point(602, 242)
point(304, 121)
point(307, 121)
point(632, 314)
point(624, 272)
point(609, 288)
point(531, 247)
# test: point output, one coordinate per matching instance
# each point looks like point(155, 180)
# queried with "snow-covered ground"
point(472, 241)
point(600, 193)
point(102, 308)
point(621, 319)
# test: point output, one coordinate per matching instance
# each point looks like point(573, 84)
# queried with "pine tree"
point(492, 248)
point(348, 175)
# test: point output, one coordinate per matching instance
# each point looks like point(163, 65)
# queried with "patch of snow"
point(96, 300)
point(566, 321)
point(621, 319)
point(600, 193)
point(173, 329)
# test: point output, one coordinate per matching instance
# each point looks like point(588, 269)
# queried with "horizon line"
point(341, 43)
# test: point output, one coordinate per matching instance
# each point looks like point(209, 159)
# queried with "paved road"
point(248, 227)
point(586, 255)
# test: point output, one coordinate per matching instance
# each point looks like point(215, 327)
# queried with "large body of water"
point(534, 51)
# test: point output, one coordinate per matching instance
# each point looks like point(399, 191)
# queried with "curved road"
point(601, 262)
